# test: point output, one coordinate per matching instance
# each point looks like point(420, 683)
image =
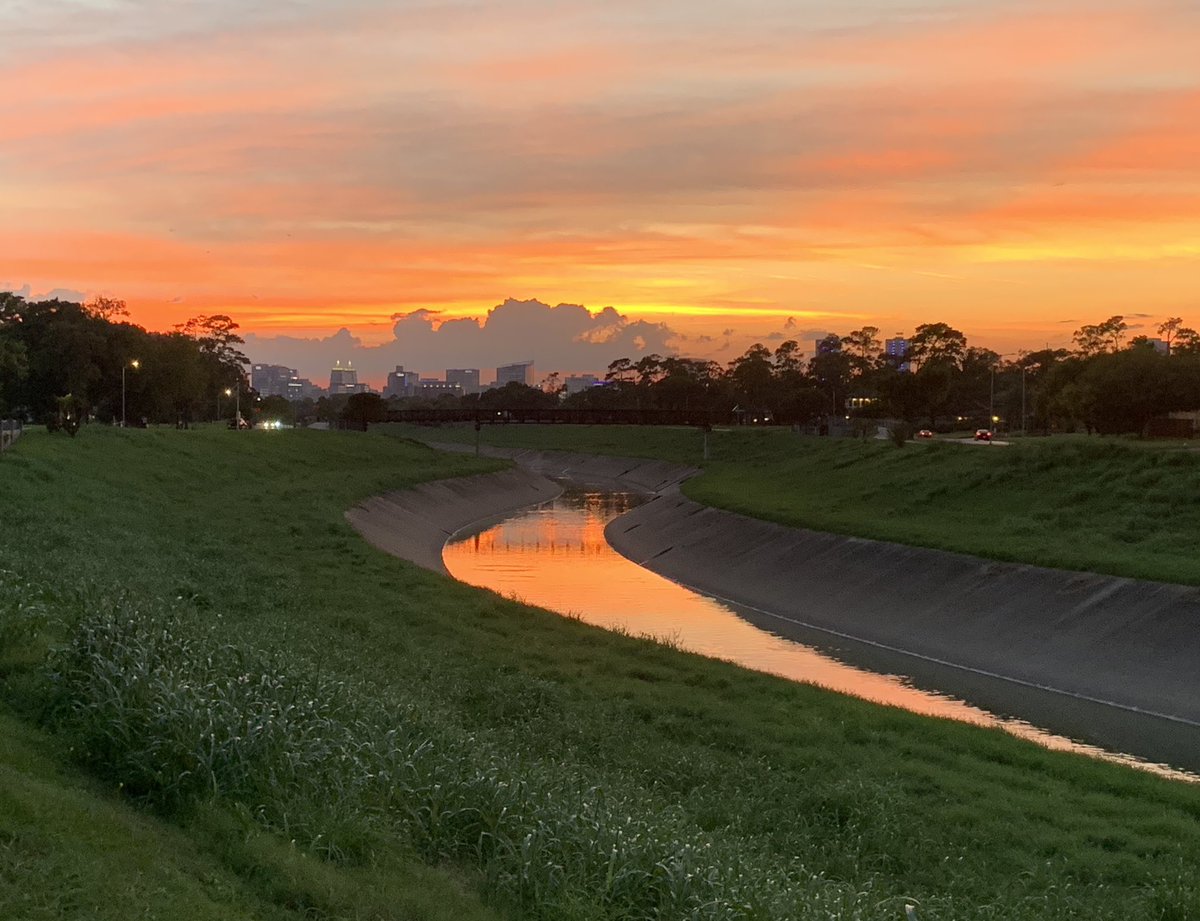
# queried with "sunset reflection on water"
point(555, 556)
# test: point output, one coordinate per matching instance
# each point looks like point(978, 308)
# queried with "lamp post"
point(237, 408)
point(1023, 370)
point(992, 400)
point(135, 364)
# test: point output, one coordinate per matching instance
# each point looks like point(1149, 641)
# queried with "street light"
point(1023, 370)
point(135, 364)
point(236, 393)
point(237, 408)
point(992, 393)
point(992, 400)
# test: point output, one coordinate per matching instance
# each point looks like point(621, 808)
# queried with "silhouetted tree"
point(1100, 337)
point(936, 343)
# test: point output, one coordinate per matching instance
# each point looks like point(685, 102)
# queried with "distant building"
point(466, 378)
point(897, 350)
point(344, 380)
point(272, 380)
point(301, 388)
point(521, 372)
point(826, 345)
point(432, 387)
point(577, 382)
point(1159, 345)
point(401, 383)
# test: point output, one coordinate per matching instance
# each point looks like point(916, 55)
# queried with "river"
point(555, 556)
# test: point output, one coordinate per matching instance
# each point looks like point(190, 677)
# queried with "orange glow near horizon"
point(1015, 172)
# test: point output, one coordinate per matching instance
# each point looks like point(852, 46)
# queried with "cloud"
point(567, 337)
point(61, 294)
point(307, 165)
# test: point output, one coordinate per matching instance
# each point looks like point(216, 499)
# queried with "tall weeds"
point(167, 708)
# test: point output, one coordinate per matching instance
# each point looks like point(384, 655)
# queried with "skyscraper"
point(520, 372)
point(344, 380)
point(467, 378)
point(401, 383)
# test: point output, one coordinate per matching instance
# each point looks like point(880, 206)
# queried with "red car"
point(983, 435)
point(925, 433)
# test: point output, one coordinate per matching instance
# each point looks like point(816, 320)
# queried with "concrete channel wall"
point(1110, 660)
point(414, 524)
point(1126, 642)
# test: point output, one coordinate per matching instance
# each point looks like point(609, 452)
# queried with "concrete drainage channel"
point(1100, 659)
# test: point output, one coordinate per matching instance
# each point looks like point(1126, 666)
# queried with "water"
point(555, 556)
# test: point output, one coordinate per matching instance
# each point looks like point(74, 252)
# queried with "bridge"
point(702, 418)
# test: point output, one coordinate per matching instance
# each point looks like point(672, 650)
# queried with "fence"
point(10, 431)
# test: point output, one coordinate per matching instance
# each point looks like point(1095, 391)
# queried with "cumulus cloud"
point(62, 294)
point(566, 337)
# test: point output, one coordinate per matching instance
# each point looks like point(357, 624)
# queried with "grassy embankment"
point(1101, 505)
point(249, 713)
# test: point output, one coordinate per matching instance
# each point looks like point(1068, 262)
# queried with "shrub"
point(899, 434)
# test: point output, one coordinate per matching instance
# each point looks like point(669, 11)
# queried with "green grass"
point(1102, 505)
point(71, 848)
point(303, 726)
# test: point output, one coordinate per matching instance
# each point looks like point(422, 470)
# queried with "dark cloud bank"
point(566, 338)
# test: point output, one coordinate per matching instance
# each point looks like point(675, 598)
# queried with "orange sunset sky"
point(716, 172)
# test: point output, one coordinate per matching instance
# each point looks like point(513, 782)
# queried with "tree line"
point(1108, 383)
point(61, 362)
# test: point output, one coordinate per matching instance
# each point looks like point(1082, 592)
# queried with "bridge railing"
point(691, 417)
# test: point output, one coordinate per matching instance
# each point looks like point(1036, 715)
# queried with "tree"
point(649, 370)
point(936, 343)
point(363, 409)
point(901, 393)
point(931, 388)
point(1100, 337)
point(788, 358)
point(620, 370)
point(1121, 392)
point(216, 335)
point(1186, 342)
point(973, 385)
point(687, 383)
point(829, 369)
point(277, 407)
point(751, 376)
point(175, 381)
point(14, 366)
point(1169, 329)
point(71, 413)
point(515, 395)
point(106, 308)
point(553, 383)
point(863, 346)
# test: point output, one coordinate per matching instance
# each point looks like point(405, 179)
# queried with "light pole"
point(237, 412)
point(1023, 370)
point(135, 364)
point(992, 400)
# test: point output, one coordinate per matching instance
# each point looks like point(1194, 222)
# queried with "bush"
point(900, 433)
